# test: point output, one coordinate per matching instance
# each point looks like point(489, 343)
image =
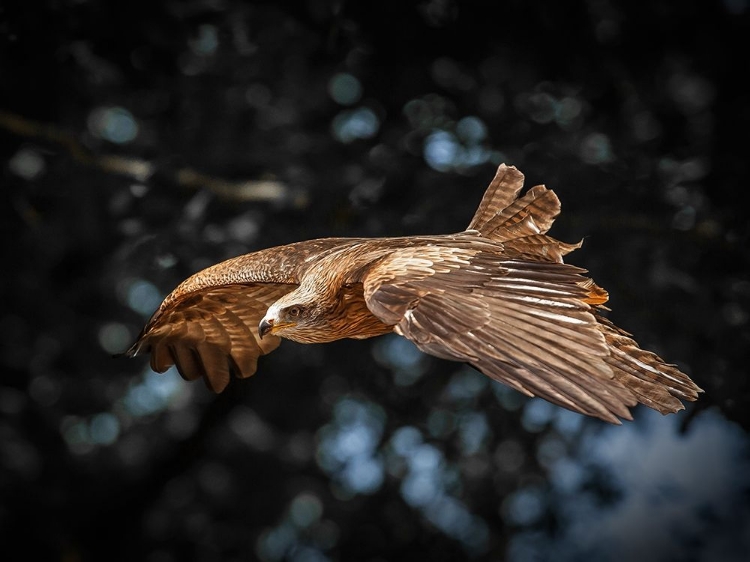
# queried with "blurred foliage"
point(142, 141)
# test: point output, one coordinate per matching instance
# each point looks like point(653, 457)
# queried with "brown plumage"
point(497, 296)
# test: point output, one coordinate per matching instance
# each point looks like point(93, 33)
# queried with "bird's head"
point(293, 318)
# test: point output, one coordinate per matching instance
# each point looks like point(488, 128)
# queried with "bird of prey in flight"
point(496, 296)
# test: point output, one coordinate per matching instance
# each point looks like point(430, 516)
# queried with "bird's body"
point(497, 296)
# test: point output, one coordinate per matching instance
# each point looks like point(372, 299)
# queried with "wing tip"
point(133, 351)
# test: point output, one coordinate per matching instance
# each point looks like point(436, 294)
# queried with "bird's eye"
point(294, 311)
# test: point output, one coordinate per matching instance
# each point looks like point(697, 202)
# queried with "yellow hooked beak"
point(264, 327)
point(270, 326)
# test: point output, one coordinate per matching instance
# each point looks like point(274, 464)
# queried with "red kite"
point(497, 296)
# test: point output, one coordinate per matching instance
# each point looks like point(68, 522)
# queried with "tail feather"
point(539, 203)
point(501, 208)
point(502, 191)
point(521, 223)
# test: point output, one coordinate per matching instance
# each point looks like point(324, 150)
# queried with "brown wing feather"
point(212, 333)
point(644, 373)
point(527, 324)
point(208, 326)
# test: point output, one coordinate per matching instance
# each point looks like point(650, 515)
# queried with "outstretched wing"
point(530, 325)
point(208, 326)
point(212, 333)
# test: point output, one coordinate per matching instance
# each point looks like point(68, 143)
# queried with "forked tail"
point(521, 224)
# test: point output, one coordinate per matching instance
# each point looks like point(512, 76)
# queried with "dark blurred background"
point(143, 141)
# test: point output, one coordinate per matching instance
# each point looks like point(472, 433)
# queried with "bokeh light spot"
point(354, 124)
point(305, 510)
point(537, 413)
point(114, 337)
point(400, 355)
point(474, 431)
point(345, 89)
point(114, 124)
point(405, 440)
point(142, 296)
point(274, 544)
point(104, 428)
point(27, 163)
point(363, 474)
point(154, 393)
point(207, 40)
point(568, 111)
point(471, 130)
point(466, 384)
point(347, 447)
point(524, 507)
point(596, 149)
point(440, 150)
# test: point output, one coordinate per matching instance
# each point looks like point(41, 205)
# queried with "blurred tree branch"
point(142, 170)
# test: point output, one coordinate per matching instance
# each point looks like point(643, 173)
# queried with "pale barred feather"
point(539, 204)
point(521, 224)
point(502, 191)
